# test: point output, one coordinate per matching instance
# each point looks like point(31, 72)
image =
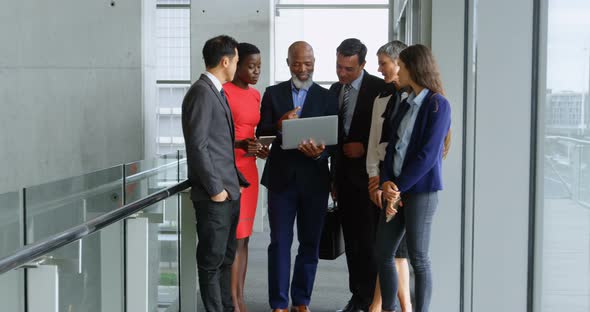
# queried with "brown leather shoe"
point(280, 310)
point(300, 308)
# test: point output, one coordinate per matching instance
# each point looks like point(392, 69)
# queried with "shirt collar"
point(215, 81)
point(356, 84)
point(293, 88)
point(418, 99)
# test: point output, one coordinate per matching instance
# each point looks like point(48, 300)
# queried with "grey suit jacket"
point(208, 130)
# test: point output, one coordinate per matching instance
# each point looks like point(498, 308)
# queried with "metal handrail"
point(577, 141)
point(32, 252)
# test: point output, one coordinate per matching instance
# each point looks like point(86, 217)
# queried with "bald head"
point(301, 60)
point(300, 47)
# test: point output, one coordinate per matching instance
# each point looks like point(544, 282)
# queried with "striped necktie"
point(345, 106)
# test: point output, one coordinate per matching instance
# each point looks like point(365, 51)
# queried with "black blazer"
point(291, 167)
point(349, 169)
point(208, 130)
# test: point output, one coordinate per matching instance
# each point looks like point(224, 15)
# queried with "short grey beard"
point(302, 84)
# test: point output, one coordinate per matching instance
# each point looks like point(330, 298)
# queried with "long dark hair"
point(423, 70)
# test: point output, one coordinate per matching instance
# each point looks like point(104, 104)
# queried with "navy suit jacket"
point(285, 168)
point(354, 170)
point(421, 170)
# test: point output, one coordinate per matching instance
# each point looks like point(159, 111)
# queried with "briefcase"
point(332, 242)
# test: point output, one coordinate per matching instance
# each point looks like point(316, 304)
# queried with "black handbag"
point(332, 242)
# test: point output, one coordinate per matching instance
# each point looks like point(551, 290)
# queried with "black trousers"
point(359, 226)
point(216, 249)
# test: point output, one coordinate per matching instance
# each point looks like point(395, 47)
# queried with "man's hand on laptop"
point(292, 114)
point(310, 149)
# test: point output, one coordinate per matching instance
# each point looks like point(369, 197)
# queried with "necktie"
point(393, 137)
point(223, 96)
point(345, 106)
point(397, 119)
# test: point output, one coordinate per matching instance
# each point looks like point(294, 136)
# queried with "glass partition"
point(562, 275)
point(183, 169)
point(146, 177)
point(10, 224)
point(128, 266)
point(11, 283)
point(54, 207)
point(152, 258)
point(86, 275)
point(143, 178)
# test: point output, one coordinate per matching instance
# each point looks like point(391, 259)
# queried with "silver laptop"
point(323, 130)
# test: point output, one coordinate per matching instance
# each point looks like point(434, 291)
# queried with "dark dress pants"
point(216, 230)
point(359, 225)
point(415, 220)
point(310, 210)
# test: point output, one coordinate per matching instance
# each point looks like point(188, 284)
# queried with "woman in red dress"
point(245, 107)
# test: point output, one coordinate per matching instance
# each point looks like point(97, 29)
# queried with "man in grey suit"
point(209, 137)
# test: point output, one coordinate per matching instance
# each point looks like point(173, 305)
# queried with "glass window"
point(169, 123)
point(173, 72)
point(325, 29)
point(173, 33)
point(334, 2)
point(563, 232)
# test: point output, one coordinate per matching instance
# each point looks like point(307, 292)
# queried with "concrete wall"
point(70, 88)
point(70, 95)
point(246, 21)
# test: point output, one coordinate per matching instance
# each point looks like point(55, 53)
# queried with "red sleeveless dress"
point(245, 108)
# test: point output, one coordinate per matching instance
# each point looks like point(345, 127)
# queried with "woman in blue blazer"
point(411, 179)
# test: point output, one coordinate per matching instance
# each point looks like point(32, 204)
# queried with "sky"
point(568, 45)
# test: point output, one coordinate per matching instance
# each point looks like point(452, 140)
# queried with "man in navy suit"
point(298, 181)
point(356, 90)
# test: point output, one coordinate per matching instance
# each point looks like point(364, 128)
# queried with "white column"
point(137, 299)
point(111, 268)
point(43, 289)
point(503, 37)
